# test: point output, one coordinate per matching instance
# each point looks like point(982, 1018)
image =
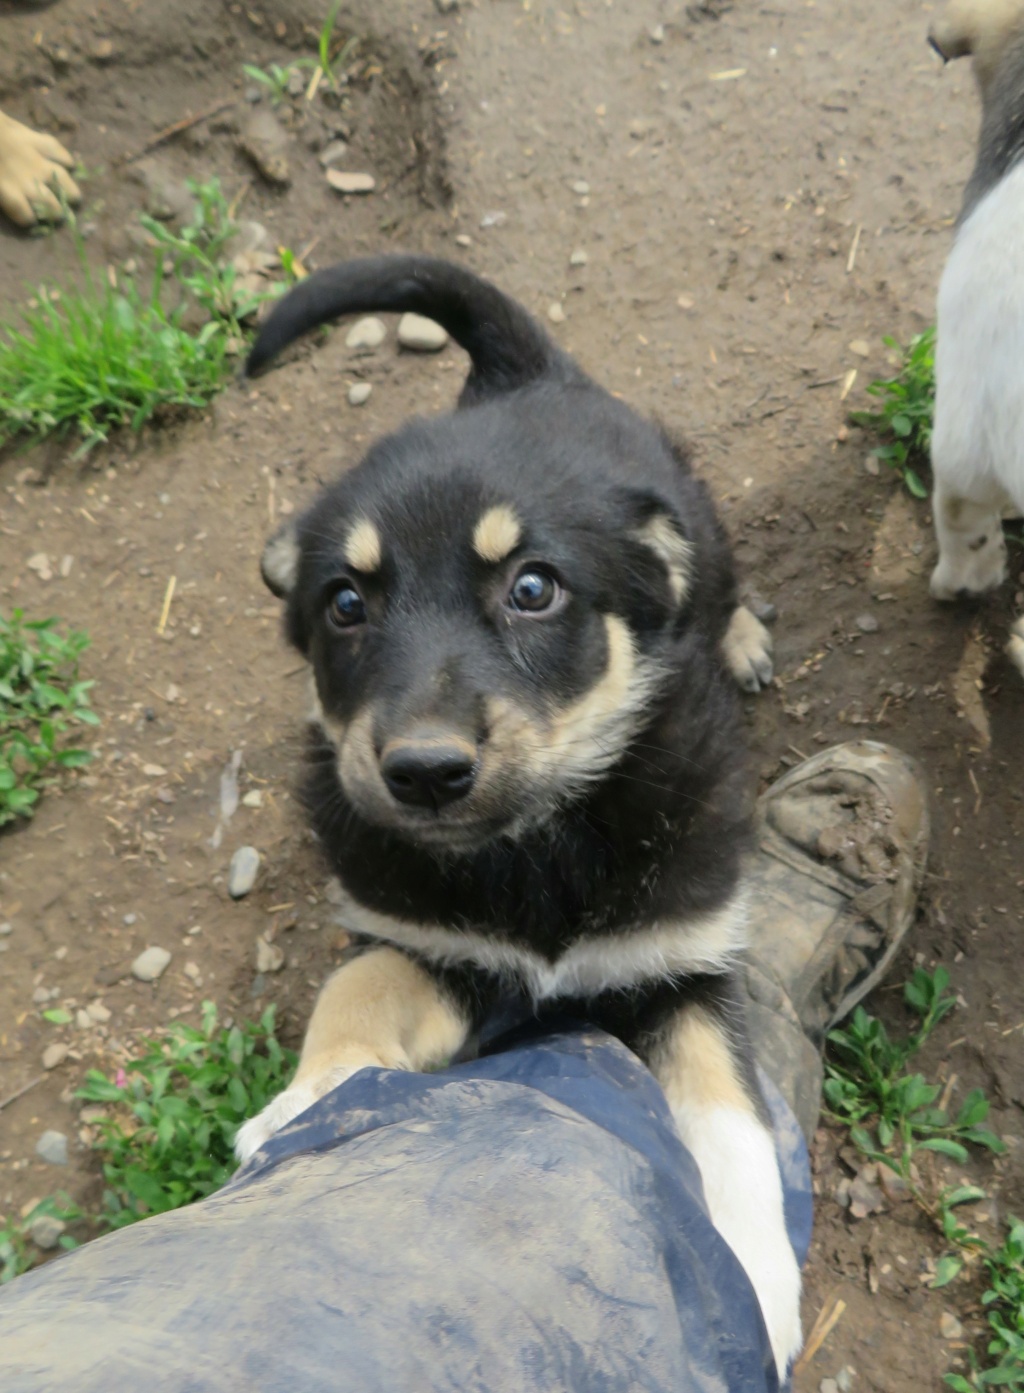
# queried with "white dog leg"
point(972, 551)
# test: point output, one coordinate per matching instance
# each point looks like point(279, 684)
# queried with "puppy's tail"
point(507, 347)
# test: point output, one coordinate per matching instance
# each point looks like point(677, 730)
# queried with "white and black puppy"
point(527, 766)
point(978, 435)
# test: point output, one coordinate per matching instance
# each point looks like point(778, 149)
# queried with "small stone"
point(150, 964)
point(332, 153)
point(828, 1385)
point(40, 995)
point(494, 218)
point(83, 1020)
point(54, 1054)
point(366, 333)
point(45, 1231)
point(154, 771)
point(245, 866)
point(359, 393)
point(861, 347)
point(556, 313)
point(762, 609)
point(578, 258)
point(191, 971)
point(264, 140)
point(40, 563)
point(685, 302)
point(130, 919)
point(269, 957)
point(52, 1147)
point(167, 199)
point(581, 187)
point(845, 1378)
point(949, 1327)
point(98, 1012)
point(656, 33)
point(867, 623)
point(464, 240)
point(5, 929)
point(345, 181)
point(420, 334)
point(253, 799)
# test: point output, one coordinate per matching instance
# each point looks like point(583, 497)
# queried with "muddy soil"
point(762, 193)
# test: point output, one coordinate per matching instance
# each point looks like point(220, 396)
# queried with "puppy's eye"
point(346, 609)
point(533, 591)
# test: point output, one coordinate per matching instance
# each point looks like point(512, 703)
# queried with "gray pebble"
point(867, 623)
point(5, 929)
point(130, 919)
point(332, 153)
point(269, 957)
point(54, 1054)
point(579, 258)
point(45, 1231)
point(264, 140)
point(844, 1379)
point(581, 187)
point(245, 866)
point(345, 181)
point(259, 985)
point(656, 33)
point(150, 964)
point(423, 335)
point(53, 1148)
point(40, 995)
point(359, 393)
point(828, 1385)
point(366, 333)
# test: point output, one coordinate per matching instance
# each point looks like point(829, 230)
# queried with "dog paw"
point(32, 166)
point(980, 568)
point(277, 1114)
point(747, 647)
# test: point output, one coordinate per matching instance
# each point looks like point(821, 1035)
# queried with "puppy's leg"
point(715, 1104)
point(380, 1010)
point(972, 552)
point(747, 647)
point(1015, 647)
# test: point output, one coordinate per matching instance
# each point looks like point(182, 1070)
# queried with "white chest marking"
point(649, 952)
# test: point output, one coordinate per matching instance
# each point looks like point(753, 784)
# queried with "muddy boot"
point(843, 841)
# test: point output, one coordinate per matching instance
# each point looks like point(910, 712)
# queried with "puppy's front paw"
point(748, 650)
point(277, 1114)
point(1015, 647)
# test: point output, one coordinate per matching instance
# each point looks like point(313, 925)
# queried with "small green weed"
point(41, 694)
point(17, 1251)
point(274, 78)
point(100, 356)
point(908, 405)
point(328, 65)
point(892, 1116)
point(178, 1107)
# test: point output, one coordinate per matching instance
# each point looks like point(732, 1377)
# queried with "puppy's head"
point(981, 29)
point(491, 614)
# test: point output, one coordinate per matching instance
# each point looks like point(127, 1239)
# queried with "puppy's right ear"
point(279, 564)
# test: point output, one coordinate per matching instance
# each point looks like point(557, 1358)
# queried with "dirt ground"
point(771, 191)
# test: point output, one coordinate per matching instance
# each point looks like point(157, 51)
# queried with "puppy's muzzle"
point(430, 771)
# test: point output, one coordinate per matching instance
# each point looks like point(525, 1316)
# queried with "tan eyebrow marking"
point(362, 547)
point(672, 548)
point(497, 533)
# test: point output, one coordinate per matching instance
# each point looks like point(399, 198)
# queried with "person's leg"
point(32, 166)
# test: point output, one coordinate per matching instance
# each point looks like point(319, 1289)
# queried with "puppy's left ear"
point(657, 527)
point(279, 564)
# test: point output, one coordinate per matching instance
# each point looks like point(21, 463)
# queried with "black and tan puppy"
point(527, 768)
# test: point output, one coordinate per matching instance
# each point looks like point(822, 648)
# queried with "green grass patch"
point(98, 356)
point(174, 1112)
point(171, 1116)
point(904, 419)
point(41, 697)
point(893, 1116)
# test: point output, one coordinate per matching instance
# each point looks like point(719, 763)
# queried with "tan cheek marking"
point(672, 548)
point(607, 697)
point(694, 1065)
point(363, 548)
point(497, 533)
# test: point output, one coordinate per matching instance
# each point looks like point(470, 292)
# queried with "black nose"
point(429, 774)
